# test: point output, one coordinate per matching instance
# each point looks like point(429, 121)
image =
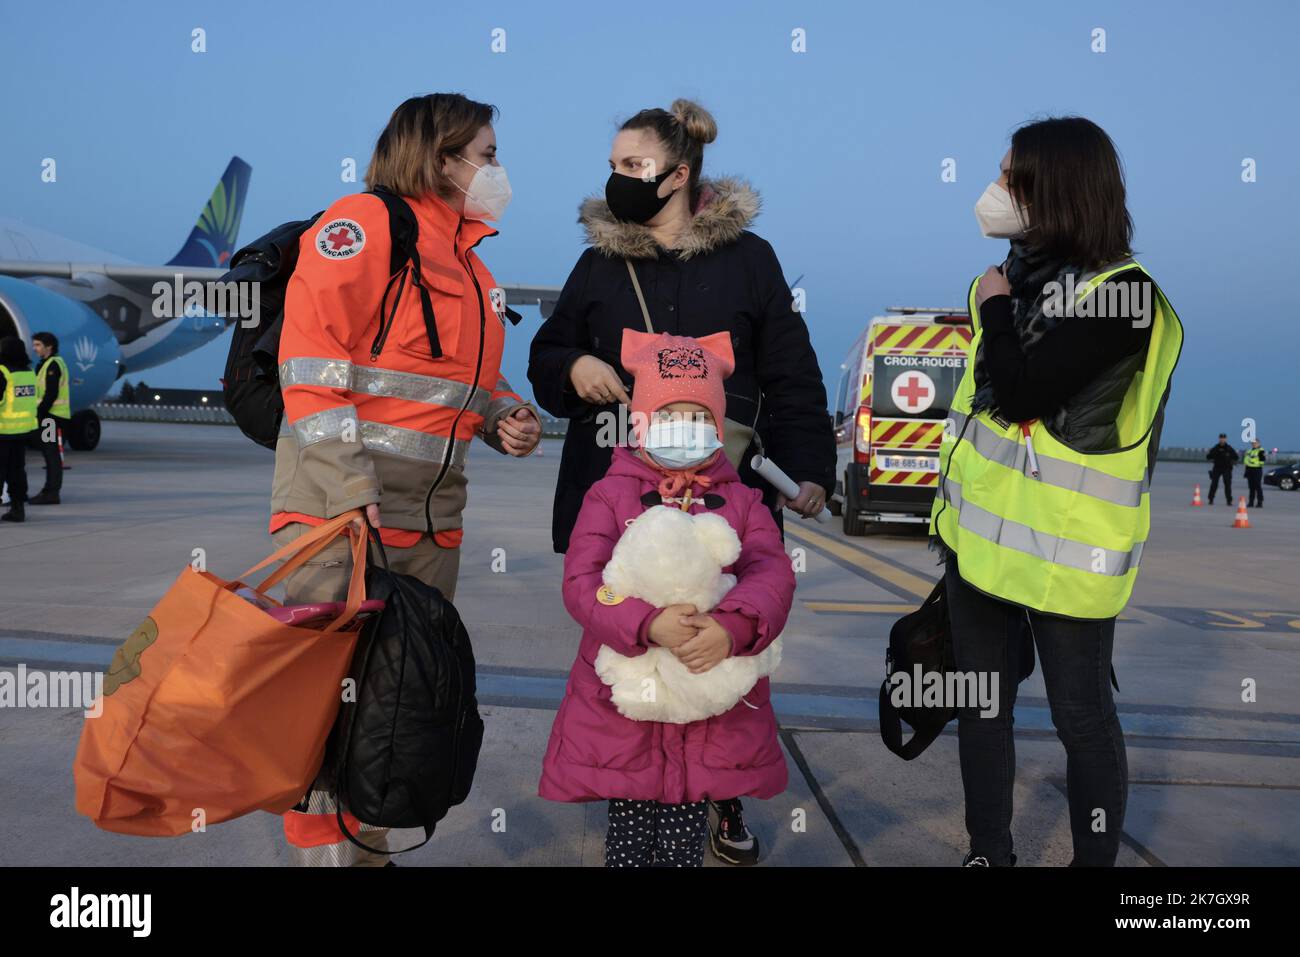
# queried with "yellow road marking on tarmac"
point(918, 586)
point(860, 607)
point(1232, 621)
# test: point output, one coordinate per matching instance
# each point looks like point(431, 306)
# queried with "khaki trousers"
point(325, 578)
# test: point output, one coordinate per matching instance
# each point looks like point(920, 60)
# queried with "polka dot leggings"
point(650, 834)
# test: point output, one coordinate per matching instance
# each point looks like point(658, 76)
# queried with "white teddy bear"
point(669, 557)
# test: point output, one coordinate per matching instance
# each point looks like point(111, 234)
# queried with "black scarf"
point(1028, 271)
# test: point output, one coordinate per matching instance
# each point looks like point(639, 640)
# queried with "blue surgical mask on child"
point(681, 443)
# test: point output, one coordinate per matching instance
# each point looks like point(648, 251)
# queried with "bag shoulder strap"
point(636, 285)
point(404, 230)
point(891, 730)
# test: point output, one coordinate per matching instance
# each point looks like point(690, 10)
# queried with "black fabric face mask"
point(634, 200)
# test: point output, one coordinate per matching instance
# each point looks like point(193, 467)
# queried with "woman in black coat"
point(701, 271)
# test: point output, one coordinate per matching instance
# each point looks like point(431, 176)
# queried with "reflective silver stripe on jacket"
point(1021, 538)
point(498, 406)
point(411, 443)
point(385, 383)
point(331, 373)
point(328, 424)
point(418, 388)
point(1051, 471)
point(378, 437)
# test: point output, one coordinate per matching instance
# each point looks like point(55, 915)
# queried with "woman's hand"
point(668, 628)
point(372, 519)
point(519, 432)
point(596, 382)
point(809, 502)
point(992, 283)
point(710, 645)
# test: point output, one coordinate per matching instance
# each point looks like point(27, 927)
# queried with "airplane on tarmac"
point(102, 307)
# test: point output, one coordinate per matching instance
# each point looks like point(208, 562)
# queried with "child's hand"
point(711, 645)
point(668, 628)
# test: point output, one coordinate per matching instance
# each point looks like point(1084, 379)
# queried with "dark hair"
point(684, 129)
point(49, 340)
point(13, 354)
point(419, 136)
point(1066, 171)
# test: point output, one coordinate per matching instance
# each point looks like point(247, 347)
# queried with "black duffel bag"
point(921, 637)
point(408, 745)
point(924, 637)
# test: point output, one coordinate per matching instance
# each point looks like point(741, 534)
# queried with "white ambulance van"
point(897, 383)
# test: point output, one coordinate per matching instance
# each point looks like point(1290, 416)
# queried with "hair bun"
point(695, 120)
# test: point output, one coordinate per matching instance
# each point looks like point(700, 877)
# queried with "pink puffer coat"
point(595, 753)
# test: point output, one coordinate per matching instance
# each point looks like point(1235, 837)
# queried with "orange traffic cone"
point(1241, 520)
point(1196, 497)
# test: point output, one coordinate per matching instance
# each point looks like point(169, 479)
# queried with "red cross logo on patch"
point(913, 391)
point(340, 239)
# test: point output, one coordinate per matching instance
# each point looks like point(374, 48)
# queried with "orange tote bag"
point(213, 708)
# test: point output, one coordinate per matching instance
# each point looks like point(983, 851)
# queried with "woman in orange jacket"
point(380, 404)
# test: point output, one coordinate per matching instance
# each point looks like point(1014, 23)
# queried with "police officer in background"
point(17, 422)
point(1222, 458)
point(1254, 460)
point(54, 408)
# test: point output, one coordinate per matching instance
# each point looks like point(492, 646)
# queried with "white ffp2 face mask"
point(489, 192)
point(681, 443)
point(997, 215)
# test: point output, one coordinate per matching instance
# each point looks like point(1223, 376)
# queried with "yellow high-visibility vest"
point(1254, 458)
point(1067, 542)
point(18, 408)
point(62, 407)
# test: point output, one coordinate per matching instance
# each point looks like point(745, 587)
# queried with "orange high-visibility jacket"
point(368, 408)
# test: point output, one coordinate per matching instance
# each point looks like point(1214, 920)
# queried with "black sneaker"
point(45, 498)
point(13, 515)
point(729, 839)
point(979, 860)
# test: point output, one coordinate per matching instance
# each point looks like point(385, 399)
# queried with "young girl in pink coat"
point(659, 775)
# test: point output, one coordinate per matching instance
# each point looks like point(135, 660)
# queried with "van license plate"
point(907, 463)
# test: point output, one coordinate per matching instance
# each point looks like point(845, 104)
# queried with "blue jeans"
point(1075, 657)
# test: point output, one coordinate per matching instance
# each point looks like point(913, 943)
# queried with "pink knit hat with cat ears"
point(671, 369)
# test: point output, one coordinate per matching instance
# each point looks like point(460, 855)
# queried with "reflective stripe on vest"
point(1254, 458)
point(62, 405)
point(18, 408)
point(375, 436)
point(1067, 542)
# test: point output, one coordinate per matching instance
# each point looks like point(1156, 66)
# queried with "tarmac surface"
point(1207, 656)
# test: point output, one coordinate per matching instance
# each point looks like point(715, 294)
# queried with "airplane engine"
point(86, 344)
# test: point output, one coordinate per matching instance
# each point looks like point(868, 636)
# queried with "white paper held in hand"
point(773, 475)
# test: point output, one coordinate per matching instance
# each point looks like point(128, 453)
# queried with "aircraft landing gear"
point(83, 430)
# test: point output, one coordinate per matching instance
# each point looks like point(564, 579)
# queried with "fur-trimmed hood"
point(726, 209)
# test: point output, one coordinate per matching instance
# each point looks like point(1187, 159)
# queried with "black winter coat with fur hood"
point(721, 278)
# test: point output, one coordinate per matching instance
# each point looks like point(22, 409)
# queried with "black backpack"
point(252, 376)
point(406, 749)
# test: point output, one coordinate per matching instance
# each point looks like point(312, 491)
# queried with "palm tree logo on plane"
point(85, 352)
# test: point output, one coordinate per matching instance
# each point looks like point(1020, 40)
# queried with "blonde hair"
point(420, 134)
point(685, 128)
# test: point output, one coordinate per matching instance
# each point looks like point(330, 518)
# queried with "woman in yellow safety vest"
point(17, 422)
point(1043, 504)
